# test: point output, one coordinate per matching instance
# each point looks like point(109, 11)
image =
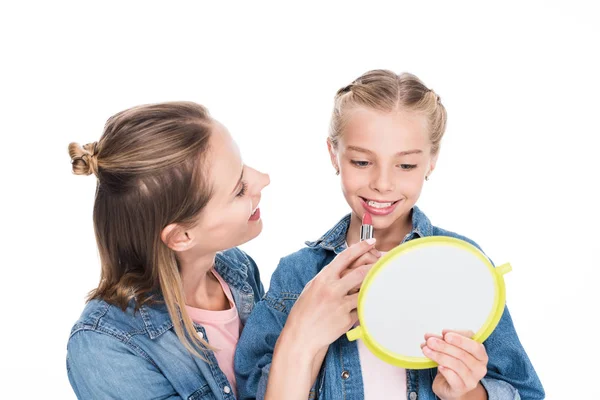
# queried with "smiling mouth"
point(378, 204)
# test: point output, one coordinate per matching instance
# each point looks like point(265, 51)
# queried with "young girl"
point(384, 141)
point(172, 195)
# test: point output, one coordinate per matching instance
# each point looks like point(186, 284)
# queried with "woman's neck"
point(200, 286)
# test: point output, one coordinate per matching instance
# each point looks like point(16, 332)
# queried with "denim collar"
point(335, 238)
point(156, 316)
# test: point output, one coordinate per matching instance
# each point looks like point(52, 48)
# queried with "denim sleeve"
point(101, 366)
point(255, 349)
point(511, 375)
point(256, 273)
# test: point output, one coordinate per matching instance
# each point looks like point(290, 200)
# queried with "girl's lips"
point(378, 211)
point(255, 216)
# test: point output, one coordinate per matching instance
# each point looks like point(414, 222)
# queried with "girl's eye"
point(243, 190)
point(360, 164)
point(408, 166)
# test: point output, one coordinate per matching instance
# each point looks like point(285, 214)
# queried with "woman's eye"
point(243, 190)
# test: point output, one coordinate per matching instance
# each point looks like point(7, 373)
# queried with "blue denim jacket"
point(113, 354)
point(510, 373)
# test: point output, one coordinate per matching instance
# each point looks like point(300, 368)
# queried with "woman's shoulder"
point(100, 317)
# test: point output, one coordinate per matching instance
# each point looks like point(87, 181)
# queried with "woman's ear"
point(176, 238)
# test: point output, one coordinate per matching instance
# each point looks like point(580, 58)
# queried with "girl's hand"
point(462, 364)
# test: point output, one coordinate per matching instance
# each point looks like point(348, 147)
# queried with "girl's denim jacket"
point(510, 373)
point(113, 354)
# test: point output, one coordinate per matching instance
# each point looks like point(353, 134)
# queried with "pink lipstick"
point(366, 229)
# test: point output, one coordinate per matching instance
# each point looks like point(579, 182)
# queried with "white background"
point(517, 172)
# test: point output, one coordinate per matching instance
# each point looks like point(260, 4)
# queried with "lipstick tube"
point(366, 229)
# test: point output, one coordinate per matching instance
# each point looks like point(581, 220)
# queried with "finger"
point(450, 362)
point(454, 381)
point(465, 333)
point(346, 257)
point(352, 301)
point(428, 335)
point(375, 252)
point(463, 341)
point(353, 317)
point(473, 364)
point(354, 278)
point(367, 258)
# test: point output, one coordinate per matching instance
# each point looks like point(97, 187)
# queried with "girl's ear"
point(432, 164)
point(333, 156)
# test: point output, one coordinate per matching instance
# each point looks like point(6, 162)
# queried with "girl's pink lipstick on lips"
point(366, 229)
point(378, 211)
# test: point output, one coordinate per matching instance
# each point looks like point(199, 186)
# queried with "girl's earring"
point(426, 177)
point(337, 171)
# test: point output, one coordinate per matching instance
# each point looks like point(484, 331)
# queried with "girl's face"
point(231, 216)
point(383, 159)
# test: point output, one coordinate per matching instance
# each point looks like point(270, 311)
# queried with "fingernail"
point(370, 241)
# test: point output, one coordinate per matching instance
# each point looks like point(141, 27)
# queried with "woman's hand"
point(324, 311)
point(370, 257)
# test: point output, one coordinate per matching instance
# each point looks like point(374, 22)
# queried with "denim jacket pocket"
point(204, 393)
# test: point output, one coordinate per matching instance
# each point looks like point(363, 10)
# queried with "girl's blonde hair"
point(386, 91)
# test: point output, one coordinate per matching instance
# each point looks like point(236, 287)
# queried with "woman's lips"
point(255, 215)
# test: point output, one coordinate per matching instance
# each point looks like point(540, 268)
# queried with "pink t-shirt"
point(223, 331)
point(380, 379)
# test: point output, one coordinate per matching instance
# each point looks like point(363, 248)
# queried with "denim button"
point(345, 375)
point(227, 389)
point(413, 396)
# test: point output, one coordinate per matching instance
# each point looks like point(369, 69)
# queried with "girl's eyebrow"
point(401, 153)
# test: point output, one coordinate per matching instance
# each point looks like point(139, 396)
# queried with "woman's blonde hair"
point(386, 91)
point(148, 165)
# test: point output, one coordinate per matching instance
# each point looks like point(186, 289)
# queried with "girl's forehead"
point(385, 132)
point(367, 122)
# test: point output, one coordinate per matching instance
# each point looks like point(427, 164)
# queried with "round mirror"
point(424, 286)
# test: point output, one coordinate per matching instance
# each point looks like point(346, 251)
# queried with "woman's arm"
point(279, 355)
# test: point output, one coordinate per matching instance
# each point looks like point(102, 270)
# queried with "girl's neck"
point(387, 238)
